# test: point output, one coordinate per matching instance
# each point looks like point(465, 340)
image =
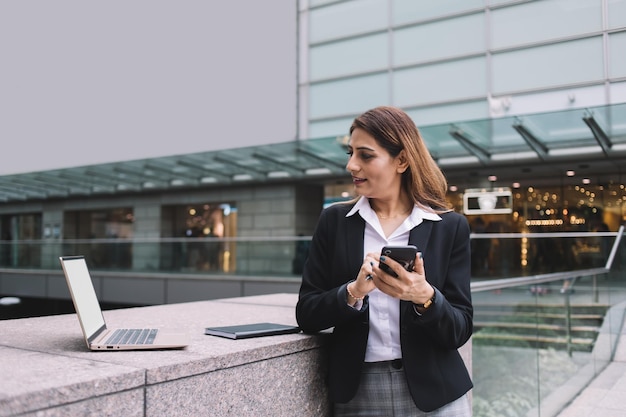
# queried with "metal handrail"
point(495, 284)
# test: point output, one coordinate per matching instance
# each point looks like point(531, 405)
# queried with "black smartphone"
point(405, 255)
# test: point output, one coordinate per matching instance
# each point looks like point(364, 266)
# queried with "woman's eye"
point(361, 155)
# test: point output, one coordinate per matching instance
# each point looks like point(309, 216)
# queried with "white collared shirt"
point(383, 342)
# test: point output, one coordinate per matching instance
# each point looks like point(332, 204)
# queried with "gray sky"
point(83, 83)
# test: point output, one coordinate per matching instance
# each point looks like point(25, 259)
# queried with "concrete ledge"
point(48, 370)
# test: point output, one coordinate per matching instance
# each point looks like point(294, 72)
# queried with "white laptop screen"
point(84, 295)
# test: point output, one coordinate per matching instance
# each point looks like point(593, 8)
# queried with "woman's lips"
point(357, 180)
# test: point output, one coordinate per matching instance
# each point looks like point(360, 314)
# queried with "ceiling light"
point(317, 171)
point(570, 173)
point(586, 181)
point(512, 156)
point(242, 177)
point(575, 151)
point(278, 174)
point(461, 160)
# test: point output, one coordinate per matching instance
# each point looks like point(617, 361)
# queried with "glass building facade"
point(508, 95)
point(449, 61)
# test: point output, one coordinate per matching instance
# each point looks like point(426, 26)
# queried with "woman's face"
point(375, 173)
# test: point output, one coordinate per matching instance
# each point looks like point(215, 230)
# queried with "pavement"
point(605, 396)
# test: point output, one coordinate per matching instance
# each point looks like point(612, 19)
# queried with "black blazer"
point(435, 371)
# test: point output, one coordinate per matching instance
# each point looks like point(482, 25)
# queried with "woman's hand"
point(363, 284)
point(408, 286)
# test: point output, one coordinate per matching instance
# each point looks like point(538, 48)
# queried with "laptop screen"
point(83, 294)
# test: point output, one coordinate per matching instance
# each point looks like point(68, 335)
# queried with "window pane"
point(440, 82)
point(25, 226)
point(415, 44)
point(617, 14)
point(334, 127)
point(547, 101)
point(617, 54)
point(198, 221)
point(411, 10)
point(548, 66)
point(348, 57)
point(543, 20)
point(431, 115)
point(349, 18)
point(102, 224)
point(618, 93)
point(348, 96)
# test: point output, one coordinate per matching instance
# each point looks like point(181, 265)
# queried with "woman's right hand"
point(364, 282)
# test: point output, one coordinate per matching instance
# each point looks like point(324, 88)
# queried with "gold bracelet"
point(428, 302)
point(350, 292)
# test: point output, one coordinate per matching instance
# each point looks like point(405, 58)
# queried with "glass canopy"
point(486, 146)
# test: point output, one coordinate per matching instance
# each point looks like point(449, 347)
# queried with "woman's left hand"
point(408, 285)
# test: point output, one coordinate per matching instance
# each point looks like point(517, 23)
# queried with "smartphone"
point(405, 255)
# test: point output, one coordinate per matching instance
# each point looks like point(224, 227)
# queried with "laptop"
point(97, 335)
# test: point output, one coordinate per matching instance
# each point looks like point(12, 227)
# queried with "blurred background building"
point(192, 136)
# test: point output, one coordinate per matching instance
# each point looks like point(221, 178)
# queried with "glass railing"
point(548, 306)
point(267, 256)
point(494, 255)
point(540, 339)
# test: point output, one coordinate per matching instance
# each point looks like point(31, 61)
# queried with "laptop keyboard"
point(132, 337)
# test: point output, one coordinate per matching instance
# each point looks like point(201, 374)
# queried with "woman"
point(393, 350)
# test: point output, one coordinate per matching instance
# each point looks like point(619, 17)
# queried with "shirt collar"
point(418, 214)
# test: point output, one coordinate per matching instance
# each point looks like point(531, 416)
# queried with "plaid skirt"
point(384, 392)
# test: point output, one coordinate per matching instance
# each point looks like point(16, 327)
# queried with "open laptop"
point(97, 335)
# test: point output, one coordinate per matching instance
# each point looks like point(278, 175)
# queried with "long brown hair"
point(395, 131)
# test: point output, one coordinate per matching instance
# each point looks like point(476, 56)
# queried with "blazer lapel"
point(419, 236)
point(355, 232)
